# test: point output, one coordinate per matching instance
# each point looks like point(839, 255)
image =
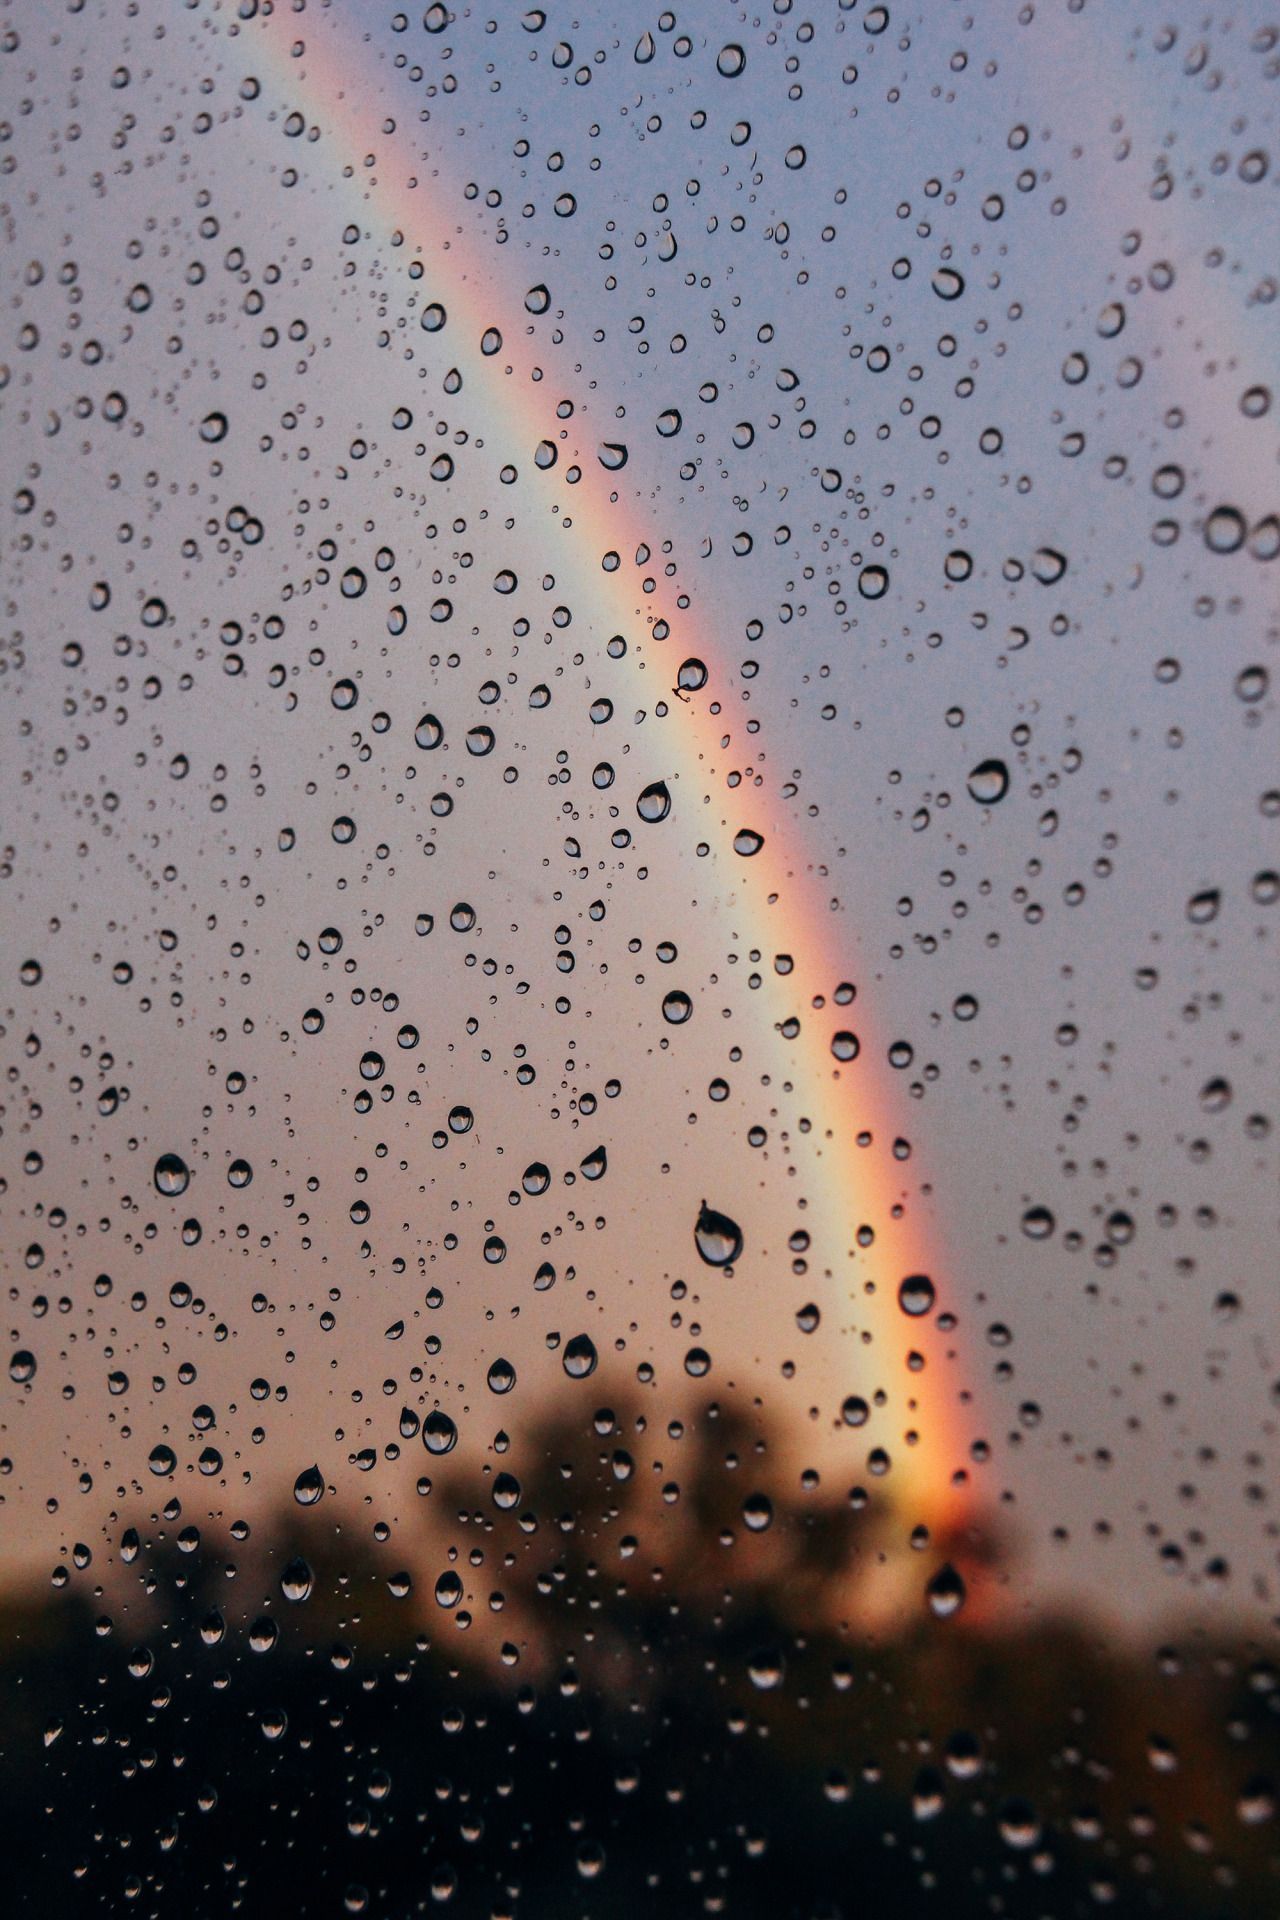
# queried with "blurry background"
point(640, 823)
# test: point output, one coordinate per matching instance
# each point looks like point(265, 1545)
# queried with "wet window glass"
point(638, 991)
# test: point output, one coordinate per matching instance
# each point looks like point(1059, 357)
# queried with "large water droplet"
point(654, 803)
point(308, 1486)
point(988, 782)
point(296, 1580)
point(439, 1434)
point(172, 1175)
point(448, 1589)
point(916, 1294)
point(946, 1592)
point(580, 1357)
point(501, 1376)
point(717, 1237)
point(1224, 530)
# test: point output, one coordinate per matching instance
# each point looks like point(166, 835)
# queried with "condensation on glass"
point(638, 985)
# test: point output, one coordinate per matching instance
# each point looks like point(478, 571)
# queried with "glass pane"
point(639, 989)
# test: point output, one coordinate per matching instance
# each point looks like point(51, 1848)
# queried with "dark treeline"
point(593, 1686)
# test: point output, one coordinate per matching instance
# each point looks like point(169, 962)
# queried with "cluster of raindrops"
point(640, 854)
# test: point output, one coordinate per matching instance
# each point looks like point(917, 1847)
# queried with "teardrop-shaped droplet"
point(308, 1486)
point(501, 1377)
point(717, 1237)
point(296, 1580)
point(946, 1592)
point(654, 803)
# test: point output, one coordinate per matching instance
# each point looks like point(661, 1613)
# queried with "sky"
point(850, 429)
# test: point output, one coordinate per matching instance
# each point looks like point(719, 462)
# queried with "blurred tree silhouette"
point(625, 1674)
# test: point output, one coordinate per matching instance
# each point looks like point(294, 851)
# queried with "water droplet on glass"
point(501, 1376)
point(916, 1294)
point(1224, 530)
point(988, 782)
point(308, 1486)
point(654, 803)
point(172, 1175)
point(439, 1434)
point(296, 1580)
point(580, 1357)
point(946, 1592)
point(717, 1237)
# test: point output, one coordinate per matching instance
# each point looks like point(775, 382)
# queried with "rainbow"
point(774, 892)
